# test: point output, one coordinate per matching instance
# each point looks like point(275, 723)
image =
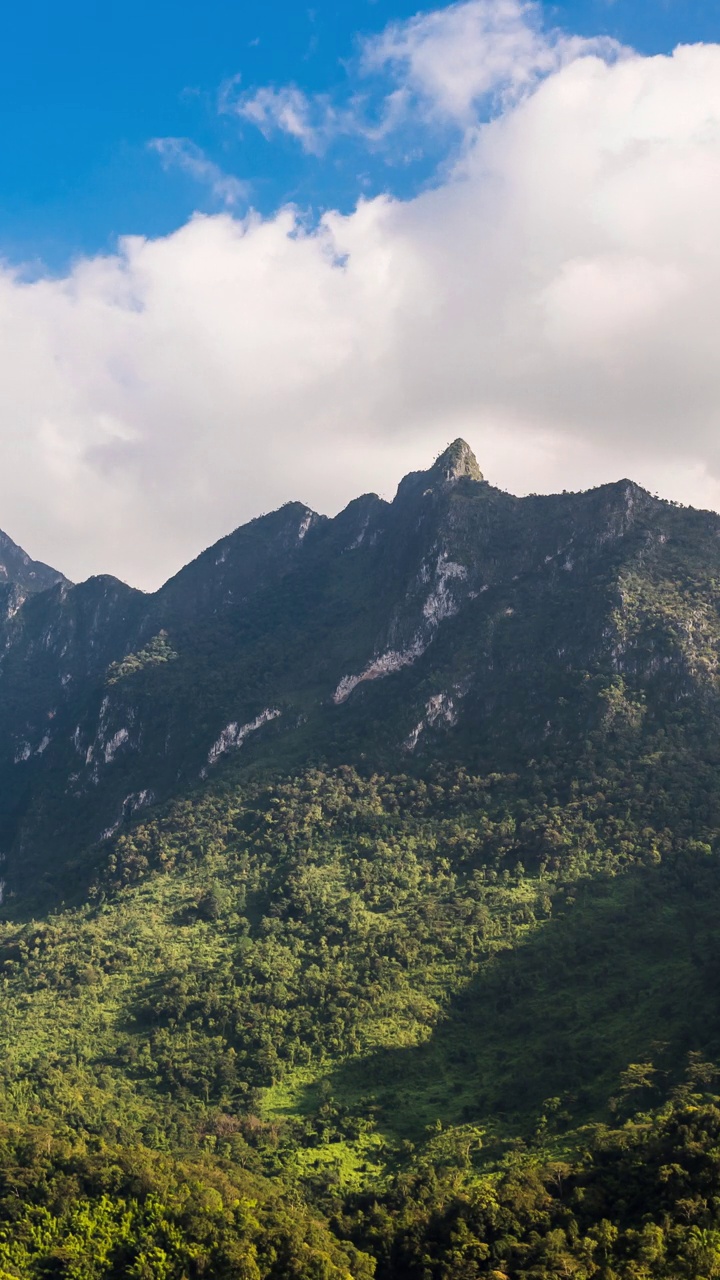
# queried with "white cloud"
point(181, 153)
point(450, 59)
point(439, 68)
point(556, 299)
point(311, 121)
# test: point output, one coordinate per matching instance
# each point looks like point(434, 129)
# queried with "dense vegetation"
point(91, 1210)
point(413, 1016)
point(157, 651)
point(635, 1202)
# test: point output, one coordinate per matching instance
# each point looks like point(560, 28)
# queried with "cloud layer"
point(555, 298)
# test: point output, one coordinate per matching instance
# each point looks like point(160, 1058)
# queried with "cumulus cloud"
point(555, 299)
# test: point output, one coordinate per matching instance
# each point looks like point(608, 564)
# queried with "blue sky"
point(84, 87)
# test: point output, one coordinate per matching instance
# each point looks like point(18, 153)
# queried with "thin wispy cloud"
point(445, 68)
point(310, 121)
point(181, 153)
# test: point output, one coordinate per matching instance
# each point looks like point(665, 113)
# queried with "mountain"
point(455, 622)
point(18, 571)
point(361, 890)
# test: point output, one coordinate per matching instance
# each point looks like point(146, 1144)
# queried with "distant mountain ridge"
point(457, 621)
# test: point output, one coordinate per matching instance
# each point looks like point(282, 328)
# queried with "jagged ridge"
point(456, 620)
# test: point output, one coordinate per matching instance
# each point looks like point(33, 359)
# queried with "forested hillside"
point(399, 956)
point(424, 1010)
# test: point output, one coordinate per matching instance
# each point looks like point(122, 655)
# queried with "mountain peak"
point(456, 461)
point(17, 568)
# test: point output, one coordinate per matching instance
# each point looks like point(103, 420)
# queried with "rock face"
point(20, 576)
point(456, 462)
point(456, 620)
point(18, 570)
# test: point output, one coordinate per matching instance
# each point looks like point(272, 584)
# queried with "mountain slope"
point(18, 570)
point(456, 621)
point(390, 854)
